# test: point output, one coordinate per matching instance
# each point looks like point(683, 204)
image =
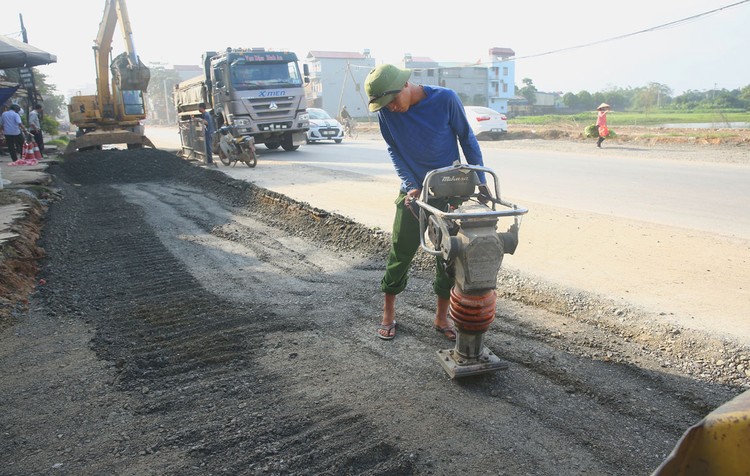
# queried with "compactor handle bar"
point(512, 210)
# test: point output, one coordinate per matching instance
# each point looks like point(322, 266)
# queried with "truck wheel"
point(287, 143)
point(272, 145)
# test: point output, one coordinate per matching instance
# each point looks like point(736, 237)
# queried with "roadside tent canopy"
point(7, 93)
point(16, 54)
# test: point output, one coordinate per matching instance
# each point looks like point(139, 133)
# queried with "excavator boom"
point(115, 114)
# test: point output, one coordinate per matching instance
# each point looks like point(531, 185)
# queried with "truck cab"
point(260, 93)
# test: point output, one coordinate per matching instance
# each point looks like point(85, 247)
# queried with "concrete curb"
point(14, 178)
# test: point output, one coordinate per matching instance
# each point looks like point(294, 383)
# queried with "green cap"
point(383, 83)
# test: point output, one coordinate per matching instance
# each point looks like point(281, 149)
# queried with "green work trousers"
point(404, 245)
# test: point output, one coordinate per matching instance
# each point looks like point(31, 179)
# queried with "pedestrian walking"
point(601, 123)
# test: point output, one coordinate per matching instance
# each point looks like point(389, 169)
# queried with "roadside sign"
point(27, 77)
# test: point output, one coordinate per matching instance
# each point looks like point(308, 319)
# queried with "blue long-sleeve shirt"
point(427, 136)
point(210, 129)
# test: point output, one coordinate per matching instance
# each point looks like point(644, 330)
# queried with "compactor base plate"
point(458, 366)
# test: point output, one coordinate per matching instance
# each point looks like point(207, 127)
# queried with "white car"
point(486, 123)
point(323, 127)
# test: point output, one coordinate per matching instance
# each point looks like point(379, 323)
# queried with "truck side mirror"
point(306, 73)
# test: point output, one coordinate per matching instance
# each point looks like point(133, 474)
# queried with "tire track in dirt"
point(191, 356)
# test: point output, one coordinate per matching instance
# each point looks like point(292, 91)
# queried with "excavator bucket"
point(718, 445)
point(129, 76)
point(97, 139)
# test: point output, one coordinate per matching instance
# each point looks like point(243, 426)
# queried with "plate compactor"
point(465, 235)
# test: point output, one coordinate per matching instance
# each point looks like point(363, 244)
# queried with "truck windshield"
point(264, 75)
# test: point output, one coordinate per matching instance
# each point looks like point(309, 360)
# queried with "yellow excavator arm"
point(115, 113)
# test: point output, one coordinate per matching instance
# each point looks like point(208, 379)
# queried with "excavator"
point(115, 113)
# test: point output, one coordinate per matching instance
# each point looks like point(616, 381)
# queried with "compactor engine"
point(465, 235)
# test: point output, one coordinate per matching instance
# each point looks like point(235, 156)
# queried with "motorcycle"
point(235, 148)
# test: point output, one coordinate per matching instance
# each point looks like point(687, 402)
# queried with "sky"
point(701, 54)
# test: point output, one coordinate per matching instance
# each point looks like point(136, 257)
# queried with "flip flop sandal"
point(387, 329)
point(445, 331)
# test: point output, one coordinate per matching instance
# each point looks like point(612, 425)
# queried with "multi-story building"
point(469, 82)
point(187, 71)
point(485, 84)
point(501, 79)
point(337, 79)
point(423, 70)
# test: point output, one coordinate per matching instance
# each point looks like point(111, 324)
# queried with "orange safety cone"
point(28, 153)
point(37, 152)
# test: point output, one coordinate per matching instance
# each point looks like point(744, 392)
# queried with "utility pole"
point(23, 29)
point(26, 75)
point(166, 101)
point(341, 94)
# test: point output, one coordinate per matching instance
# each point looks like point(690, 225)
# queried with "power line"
point(647, 30)
point(14, 34)
point(619, 37)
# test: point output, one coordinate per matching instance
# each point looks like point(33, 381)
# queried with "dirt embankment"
point(572, 131)
point(634, 134)
point(20, 255)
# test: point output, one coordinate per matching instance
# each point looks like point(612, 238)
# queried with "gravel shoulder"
point(184, 322)
point(687, 279)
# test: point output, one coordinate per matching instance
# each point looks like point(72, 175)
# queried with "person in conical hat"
point(601, 123)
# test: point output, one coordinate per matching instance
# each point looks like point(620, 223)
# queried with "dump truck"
point(257, 93)
point(115, 114)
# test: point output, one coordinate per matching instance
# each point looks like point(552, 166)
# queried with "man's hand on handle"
point(410, 203)
point(484, 196)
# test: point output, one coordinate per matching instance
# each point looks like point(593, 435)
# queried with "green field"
point(615, 118)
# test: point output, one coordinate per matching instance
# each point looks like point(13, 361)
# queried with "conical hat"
point(603, 105)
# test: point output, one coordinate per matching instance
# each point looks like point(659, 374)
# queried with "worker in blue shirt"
point(423, 127)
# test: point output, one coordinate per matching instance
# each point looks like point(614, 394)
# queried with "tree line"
point(53, 103)
point(652, 96)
